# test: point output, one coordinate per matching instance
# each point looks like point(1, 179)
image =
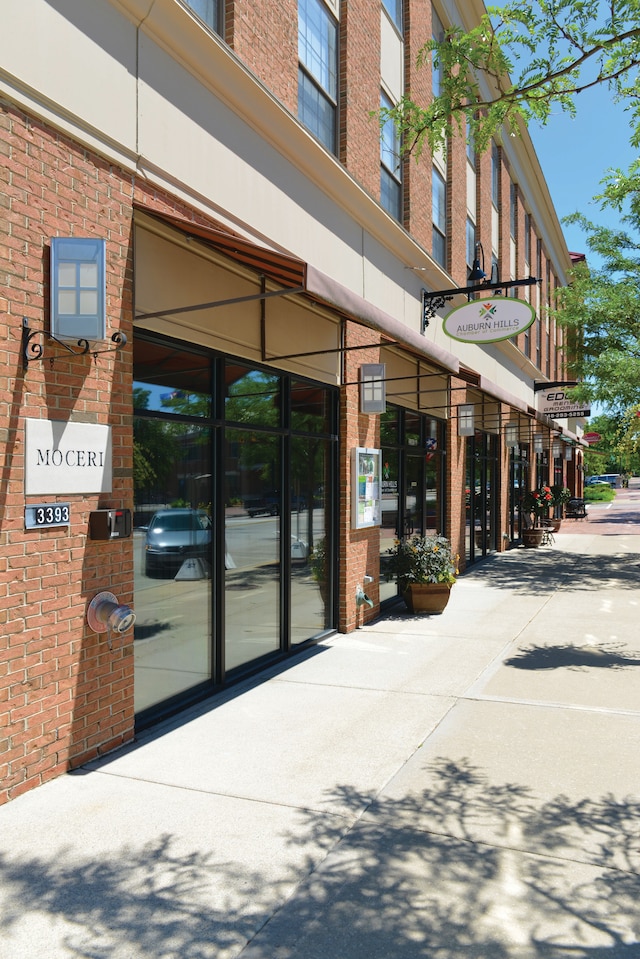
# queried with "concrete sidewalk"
point(448, 787)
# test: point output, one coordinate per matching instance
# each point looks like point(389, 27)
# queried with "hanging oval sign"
point(490, 320)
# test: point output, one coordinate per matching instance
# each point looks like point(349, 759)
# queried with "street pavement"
point(463, 786)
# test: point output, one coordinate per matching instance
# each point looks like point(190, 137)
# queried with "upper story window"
point(527, 240)
point(318, 70)
point(437, 32)
point(495, 175)
point(390, 166)
point(470, 243)
point(513, 218)
point(471, 147)
point(209, 11)
point(394, 9)
point(439, 216)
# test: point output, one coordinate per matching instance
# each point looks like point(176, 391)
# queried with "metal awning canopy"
point(293, 275)
point(286, 270)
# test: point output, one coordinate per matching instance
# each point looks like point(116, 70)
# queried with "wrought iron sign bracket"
point(432, 302)
point(32, 350)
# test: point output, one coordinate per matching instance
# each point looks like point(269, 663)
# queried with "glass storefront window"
point(481, 470)
point(311, 537)
point(389, 524)
point(172, 559)
point(234, 526)
point(412, 482)
point(252, 547)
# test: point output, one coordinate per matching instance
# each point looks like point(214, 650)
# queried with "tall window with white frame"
point(390, 164)
point(437, 32)
point(209, 11)
point(527, 271)
point(439, 216)
point(471, 243)
point(318, 71)
point(394, 9)
point(513, 236)
point(495, 175)
point(539, 321)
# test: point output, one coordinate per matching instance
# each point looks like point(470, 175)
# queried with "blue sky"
point(575, 153)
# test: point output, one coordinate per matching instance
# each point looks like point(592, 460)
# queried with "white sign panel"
point(66, 457)
point(556, 404)
point(488, 321)
point(366, 503)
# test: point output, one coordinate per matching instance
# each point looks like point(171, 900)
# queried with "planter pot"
point(555, 525)
point(532, 538)
point(427, 597)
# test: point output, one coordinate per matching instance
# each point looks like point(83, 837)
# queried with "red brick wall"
point(359, 51)
point(64, 695)
point(265, 37)
point(417, 175)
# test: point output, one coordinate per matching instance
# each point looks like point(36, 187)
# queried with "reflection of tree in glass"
point(253, 398)
point(157, 445)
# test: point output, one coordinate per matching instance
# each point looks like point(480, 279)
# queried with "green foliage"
point(560, 495)
point(554, 49)
point(619, 449)
point(522, 61)
point(318, 561)
point(424, 559)
point(599, 494)
point(600, 310)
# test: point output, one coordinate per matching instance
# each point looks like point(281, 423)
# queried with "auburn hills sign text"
point(490, 320)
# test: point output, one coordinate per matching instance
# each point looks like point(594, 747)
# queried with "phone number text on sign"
point(46, 514)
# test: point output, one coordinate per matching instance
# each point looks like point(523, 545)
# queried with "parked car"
point(608, 479)
point(174, 535)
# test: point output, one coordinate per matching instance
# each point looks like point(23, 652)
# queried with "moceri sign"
point(67, 457)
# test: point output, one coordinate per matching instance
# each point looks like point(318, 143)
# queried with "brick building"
point(204, 240)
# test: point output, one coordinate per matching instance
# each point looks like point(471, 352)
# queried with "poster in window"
point(366, 508)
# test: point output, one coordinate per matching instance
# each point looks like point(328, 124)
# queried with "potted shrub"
point(426, 569)
point(535, 505)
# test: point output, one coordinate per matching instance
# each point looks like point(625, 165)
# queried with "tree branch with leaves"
point(520, 62)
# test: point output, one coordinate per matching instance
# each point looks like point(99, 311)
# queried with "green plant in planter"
point(561, 495)
point(424, 559)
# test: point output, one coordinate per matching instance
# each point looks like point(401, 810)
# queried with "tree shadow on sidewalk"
point(468, 868)
point(542, 571)
point(461, 868)
point(603, 656)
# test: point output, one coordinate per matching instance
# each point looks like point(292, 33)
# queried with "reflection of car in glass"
point(174, 535)
point(269, 504)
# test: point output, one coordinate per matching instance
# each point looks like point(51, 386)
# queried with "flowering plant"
point(537, 502)
point(424, 559)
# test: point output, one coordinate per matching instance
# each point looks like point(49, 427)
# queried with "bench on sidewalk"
point(576, 509)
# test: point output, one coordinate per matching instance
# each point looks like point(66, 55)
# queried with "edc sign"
point(558, 405)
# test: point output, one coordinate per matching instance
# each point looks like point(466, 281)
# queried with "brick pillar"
point(359, 549)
